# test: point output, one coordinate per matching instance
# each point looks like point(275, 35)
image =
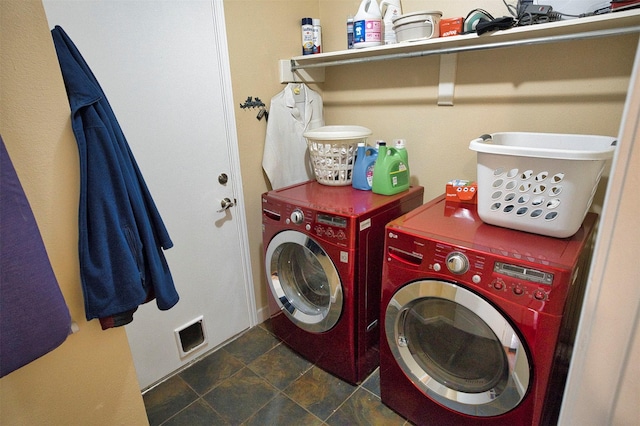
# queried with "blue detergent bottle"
point(363, 168)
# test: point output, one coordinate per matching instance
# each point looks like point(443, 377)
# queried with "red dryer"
point(478, 321)
point(323, 249)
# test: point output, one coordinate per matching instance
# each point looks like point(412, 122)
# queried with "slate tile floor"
point(257, 380)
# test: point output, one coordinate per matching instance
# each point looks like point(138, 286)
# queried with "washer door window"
point(457, 348)
point(304, 281)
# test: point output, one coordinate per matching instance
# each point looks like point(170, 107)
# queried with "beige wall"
point(90, 378)
point(259, 33)
point(571, 87)
point(576, 87)
point(540, 88)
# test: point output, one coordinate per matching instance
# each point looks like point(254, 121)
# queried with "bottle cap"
point(316, 22)
point(400, 143)
point(307, 21)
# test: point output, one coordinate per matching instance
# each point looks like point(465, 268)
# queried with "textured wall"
point(90, 378)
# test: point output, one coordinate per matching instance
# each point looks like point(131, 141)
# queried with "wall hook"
point(256, 102)
point(252, 103)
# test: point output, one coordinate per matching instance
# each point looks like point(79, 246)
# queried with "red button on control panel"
point(540, 295)
point(498, 284)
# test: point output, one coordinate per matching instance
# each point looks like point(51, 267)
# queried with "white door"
point(164, 68)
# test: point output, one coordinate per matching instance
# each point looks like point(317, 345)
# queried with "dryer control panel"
point(324, 226)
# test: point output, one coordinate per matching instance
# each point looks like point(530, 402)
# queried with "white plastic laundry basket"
point(539, 182)
point(333, 152)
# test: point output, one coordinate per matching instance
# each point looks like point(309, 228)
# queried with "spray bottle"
point(317, 36)
point(307, 36)
point(391, 9)
point(367, 25)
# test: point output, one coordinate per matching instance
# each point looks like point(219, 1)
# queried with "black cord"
point(486, 14)
point(479, 11)
point(511, 8)
point(527, 18)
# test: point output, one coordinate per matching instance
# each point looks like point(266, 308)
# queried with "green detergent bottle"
point(391, 172)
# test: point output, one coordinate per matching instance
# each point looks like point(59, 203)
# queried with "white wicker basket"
point(539, 182)
point(332, 150)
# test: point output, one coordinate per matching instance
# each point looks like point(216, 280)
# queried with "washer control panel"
point(297, 216)
point(519, 289)
point(457, 263)
point(482, 270)
point(522, 281)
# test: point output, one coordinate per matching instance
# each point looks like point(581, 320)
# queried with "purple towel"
point(34, 318)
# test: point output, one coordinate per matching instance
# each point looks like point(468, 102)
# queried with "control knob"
point(540, 295)
point(457, 262)
point(297, 216)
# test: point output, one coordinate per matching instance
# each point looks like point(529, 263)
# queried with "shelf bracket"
point(446, 85)
point(311, 75)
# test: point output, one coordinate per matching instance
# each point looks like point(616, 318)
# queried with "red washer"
point(477, 321)
point(324, 250)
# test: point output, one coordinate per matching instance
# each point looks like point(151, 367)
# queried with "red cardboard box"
point(462, 191)
point(451, 26)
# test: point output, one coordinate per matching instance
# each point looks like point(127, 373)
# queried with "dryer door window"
point(457, 348)
point(304, 281)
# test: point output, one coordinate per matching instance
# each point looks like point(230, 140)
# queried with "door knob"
point(226, 204)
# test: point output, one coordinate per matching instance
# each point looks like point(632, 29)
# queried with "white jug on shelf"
point(367, 25)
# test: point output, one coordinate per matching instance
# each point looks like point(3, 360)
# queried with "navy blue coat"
point(122, 235)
